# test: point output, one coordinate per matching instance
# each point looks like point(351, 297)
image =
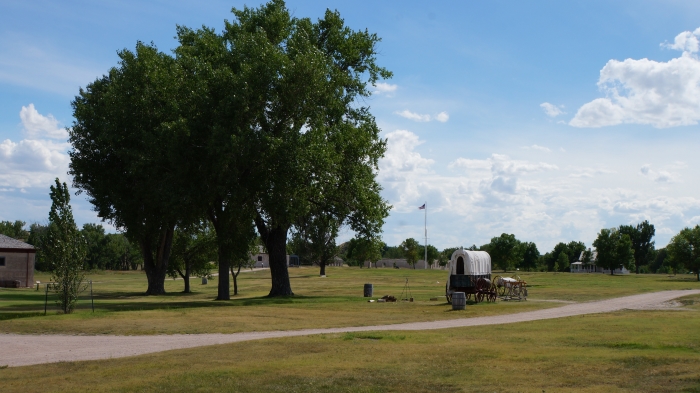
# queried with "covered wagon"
point(470, 272)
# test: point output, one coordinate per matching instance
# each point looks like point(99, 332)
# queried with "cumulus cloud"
point(38, 126)
point(442, 117)
point(385, 88)
point(400, 155)
point(37, 160)
point(551, 110)
point(662, 94)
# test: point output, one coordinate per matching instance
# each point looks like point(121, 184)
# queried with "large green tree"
point(64, 249)
point(314, 146)
point(641, 236)
point(530, 255)
point(614, 250)
point(128, 142)
point(684, 249)
point(504, 251)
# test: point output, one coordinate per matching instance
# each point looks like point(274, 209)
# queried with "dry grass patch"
point(630, 351)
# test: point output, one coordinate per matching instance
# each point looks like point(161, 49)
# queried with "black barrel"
point(459, 301)
point(368, 290)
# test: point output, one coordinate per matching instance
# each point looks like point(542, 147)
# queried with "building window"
point(259, 258)
point(2, 261)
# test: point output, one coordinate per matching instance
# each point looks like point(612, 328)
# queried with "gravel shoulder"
point(23, 350)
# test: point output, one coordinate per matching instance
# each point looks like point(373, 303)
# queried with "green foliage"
point(573, 250)
point(361, 250)
point(684, 250)
point(642, 244)
point(392, 252)
point(446, 254)
point(37, 234)
point(128, 153)
point(504, 251)
point(313, 239)
point(530, 255)
point(410, 248)
point(14, 230)
point(433, 253)
point(194, 248)
point(562, 262)
point(64, 249)
point(614, 250)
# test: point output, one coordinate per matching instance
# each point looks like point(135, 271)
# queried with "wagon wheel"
point(448, 296)
point(468, 296)
point(515, 291)
point(500, 288)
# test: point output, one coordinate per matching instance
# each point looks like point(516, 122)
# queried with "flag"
point(422, 207)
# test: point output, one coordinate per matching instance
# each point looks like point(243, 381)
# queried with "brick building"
point(16, 263)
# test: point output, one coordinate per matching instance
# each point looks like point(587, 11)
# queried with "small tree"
point(64, 249)
point(504, 251)
point(410, 251)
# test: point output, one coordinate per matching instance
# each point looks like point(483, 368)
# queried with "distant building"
point(16, 263)
point(590, 267)
point(402, 264)
point(262, 259)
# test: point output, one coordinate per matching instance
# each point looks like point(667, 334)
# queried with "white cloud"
point(442, 117)
point(662, 94)
point(537, 147)
point(32, 163)
point(400, 155)
point(413, 116)
point(385, 88)
point(551, 110)
point(38, 126)
point(35, 161)
point(685, 42)
point(658, 176)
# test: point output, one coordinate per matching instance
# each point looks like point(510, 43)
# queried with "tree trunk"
point(223, 287)
point(276, 244)
point(156, 267)
point(323, 269)
point(235, 279)
point(187, 278)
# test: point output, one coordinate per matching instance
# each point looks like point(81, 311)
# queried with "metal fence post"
point(46, 299)
point(92, 300)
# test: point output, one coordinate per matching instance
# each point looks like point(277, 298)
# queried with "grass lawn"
point(334, 301)
point(628, 351)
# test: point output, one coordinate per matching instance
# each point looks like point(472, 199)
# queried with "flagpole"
point(425, 227)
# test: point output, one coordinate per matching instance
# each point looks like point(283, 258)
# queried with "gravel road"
point(22, 350)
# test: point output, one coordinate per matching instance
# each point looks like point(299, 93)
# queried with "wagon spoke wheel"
point(449, 297)
point(468, 296)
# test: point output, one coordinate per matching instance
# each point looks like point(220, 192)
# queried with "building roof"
point(8, 242)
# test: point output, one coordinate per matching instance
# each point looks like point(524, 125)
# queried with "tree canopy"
point(684, 249)
point(614, 250)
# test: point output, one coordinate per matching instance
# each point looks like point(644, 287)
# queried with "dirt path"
point(22, 350)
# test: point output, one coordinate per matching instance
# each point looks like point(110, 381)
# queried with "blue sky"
point(546, 119)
